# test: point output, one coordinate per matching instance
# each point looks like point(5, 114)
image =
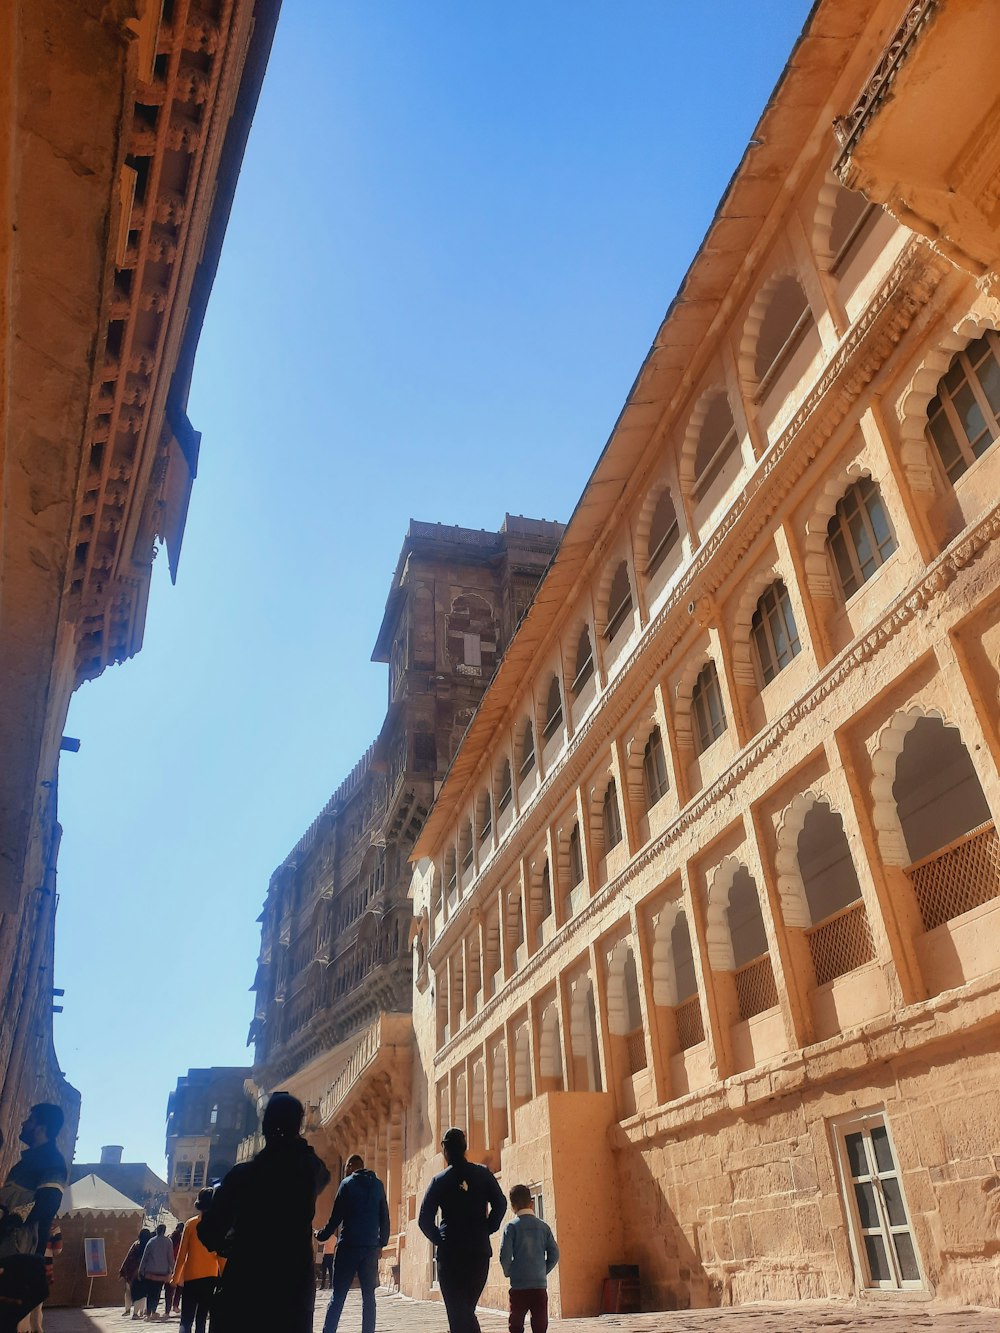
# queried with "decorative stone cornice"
point(864, 350)
point(962, 553)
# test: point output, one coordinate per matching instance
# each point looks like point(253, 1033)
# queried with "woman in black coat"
point(261, 1220)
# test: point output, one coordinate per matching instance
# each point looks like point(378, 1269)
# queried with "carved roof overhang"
point(197, 80)
point(713, 285)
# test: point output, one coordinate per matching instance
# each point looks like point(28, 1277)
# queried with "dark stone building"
point(333, 984)
point(208, 1114)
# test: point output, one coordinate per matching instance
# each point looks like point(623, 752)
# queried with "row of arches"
point(927, 801)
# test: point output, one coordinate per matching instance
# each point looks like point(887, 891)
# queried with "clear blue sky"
point(458, 227)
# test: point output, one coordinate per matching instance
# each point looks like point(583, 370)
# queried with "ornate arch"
point(477, 1102)
point(817, 561)
point(549, 1044)
point(756, 585)
point(617, 1011)
point(664, 979)
point(595, 808)
point(498, 1082)
point(522, 1062)
point(911, 407)
point(635, 752)
point(791, 889)
point(608, 571)
point(683, 720)
point(755, 318)
point(718, 937)
point(644, 518)
point(461, 1101)
point(822, 225)
point(888, 748)
point(536, 871)
point(692, 435)
point(579, 1018)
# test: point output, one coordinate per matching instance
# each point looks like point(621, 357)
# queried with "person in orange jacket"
point(196, 1271)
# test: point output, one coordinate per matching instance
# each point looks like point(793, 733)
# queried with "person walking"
point(29, 1200)
point(135, 1288)
point(261, 1219)
point(471, 1205)
point(155, 1267)
point(171, 1293)
point(196, 1271)
point(361, 1211)
point(528, 1254)
point(326, 1250)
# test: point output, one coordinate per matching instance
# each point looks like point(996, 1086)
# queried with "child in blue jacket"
point(528, 1254)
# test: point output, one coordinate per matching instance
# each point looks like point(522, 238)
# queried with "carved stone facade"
point(334, 983)
point(123, 132)
point(208, 1117)
point(721, 979)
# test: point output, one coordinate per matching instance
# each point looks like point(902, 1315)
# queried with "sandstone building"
point(333, 985)
point(707, 908)
point(123, 131)
point(208, 1116)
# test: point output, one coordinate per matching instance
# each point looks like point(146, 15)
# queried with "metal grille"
point(963, 875)
point(635, 1045)
point(690, 1029)
point(755, 988)
point(841, 943)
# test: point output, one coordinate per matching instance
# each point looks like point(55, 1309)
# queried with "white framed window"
point(859, 536)
point(963, 419)
point(473, 650)
point(882, 1237)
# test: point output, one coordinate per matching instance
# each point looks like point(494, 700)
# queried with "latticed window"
point(654, 769)
point(553, 709)
point(859, 536)
point(775, 636)
point(717, 442)
point(619, 601)
point(584, 668)
point(527, 751)
point(612, 818)
point(575, 857)
point(663, 532)
point(963, 420)
point(706, 707)
point(506, 787)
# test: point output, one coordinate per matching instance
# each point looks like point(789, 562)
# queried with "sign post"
point(95, 1259)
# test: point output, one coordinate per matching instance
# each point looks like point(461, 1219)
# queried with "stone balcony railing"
point(957, 878)
point(387, 1037)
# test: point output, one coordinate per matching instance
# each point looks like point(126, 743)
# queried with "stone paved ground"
point(397, 1315)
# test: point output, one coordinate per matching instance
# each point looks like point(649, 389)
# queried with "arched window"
point(663, 533)
point(859, 537)
point(527, 756)
point(634, 1031)
point(450, 869)
point(774, 633)
point(484, 816)
point(785, 322)
point(575, 857)
point(465, 845)
point(505, 784)
point(545, 902)
point(838, 942)
point(706, 705)
point(963, 420)
point(717, 441)
point(553, 709)
point(612, 818)
point(584, 668)
point(937, 790)
point(619, 601)
point(654, 769)
point(853, 218)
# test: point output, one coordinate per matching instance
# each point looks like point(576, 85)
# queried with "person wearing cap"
point(260, 1220)
point(462, 1208)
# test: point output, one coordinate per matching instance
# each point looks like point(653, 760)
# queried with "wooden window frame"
point(613, 825)
point(773, 603)
point(857, 502)
point(708, 728)
point(655, 786)
point(943, 396)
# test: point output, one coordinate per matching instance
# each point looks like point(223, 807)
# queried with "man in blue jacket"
point(361, 1211)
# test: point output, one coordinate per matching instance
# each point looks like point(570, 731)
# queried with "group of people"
point(179, 1265)
point(246, 1258)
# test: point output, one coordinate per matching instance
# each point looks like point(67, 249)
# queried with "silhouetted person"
point(196, 1271)
point(471, 1204)
point(360, 1209)
point(260, 1219)
point(29, 1200)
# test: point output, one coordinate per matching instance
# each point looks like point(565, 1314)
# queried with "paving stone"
point(396, 1314)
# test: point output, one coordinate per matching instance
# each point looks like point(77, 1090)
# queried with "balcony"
point(959, 877)
point(383, 1048)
